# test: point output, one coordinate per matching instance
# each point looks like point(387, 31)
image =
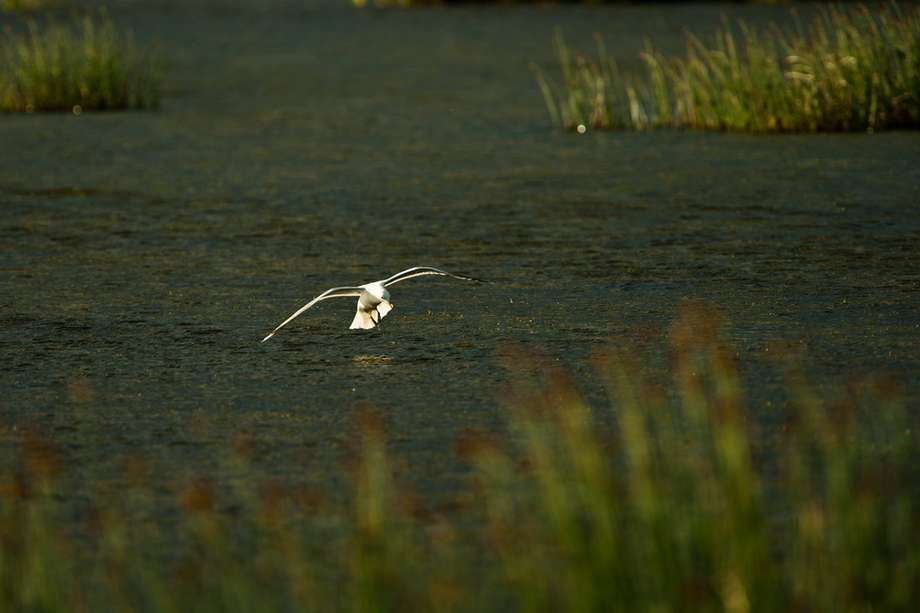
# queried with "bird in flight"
point(373, 298)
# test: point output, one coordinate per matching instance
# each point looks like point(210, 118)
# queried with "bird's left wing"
point(335, 292)
point(419, 271)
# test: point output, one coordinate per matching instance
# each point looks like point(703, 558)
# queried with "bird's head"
point(378, 291)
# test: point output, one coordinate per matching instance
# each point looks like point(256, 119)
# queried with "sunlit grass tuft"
point(674, 499)
point(856, 69)
point(84, 65)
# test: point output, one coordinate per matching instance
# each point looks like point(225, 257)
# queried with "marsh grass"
point(25, 5)
point(675, 499)
point(849, 69)
point(84, 65)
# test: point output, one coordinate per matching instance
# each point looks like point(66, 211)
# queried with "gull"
point(373, 298)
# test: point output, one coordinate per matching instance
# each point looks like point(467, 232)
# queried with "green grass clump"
point(849, 70)
point(674, 499)
point(86, 65)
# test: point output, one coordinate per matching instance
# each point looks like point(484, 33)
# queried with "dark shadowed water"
point(144, 255)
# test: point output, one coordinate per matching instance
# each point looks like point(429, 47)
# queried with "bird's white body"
point(373, 298)
point(373, 305)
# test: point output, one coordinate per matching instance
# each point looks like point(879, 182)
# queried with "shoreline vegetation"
point(676, 499)
point(83, 65)
point(854, 69)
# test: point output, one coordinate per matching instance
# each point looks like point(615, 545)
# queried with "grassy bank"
point(674, 500)
point(83, 65)
point(848, 70)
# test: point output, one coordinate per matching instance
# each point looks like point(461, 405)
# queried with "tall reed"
point(84, 65)
point(676, 498)
point(687, 503)
point(856, 69)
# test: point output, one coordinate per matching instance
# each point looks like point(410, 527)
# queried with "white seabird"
point(373, 298)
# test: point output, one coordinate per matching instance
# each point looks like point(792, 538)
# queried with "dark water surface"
point(144, 255)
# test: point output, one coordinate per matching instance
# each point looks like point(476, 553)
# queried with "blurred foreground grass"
point(855, 68)
point(676, 501)
point(25, 5)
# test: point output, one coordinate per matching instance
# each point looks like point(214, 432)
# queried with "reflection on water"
point(371, 360)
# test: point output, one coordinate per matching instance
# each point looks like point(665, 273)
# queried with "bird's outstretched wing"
point(418, 271)
point(335, 292)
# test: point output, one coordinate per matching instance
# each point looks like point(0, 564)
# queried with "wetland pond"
point(302, 146)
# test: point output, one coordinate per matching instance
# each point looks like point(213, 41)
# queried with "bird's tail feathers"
point(365, 319)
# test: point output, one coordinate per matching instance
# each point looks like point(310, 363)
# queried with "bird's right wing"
point(419, 271)
point(335, 292)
